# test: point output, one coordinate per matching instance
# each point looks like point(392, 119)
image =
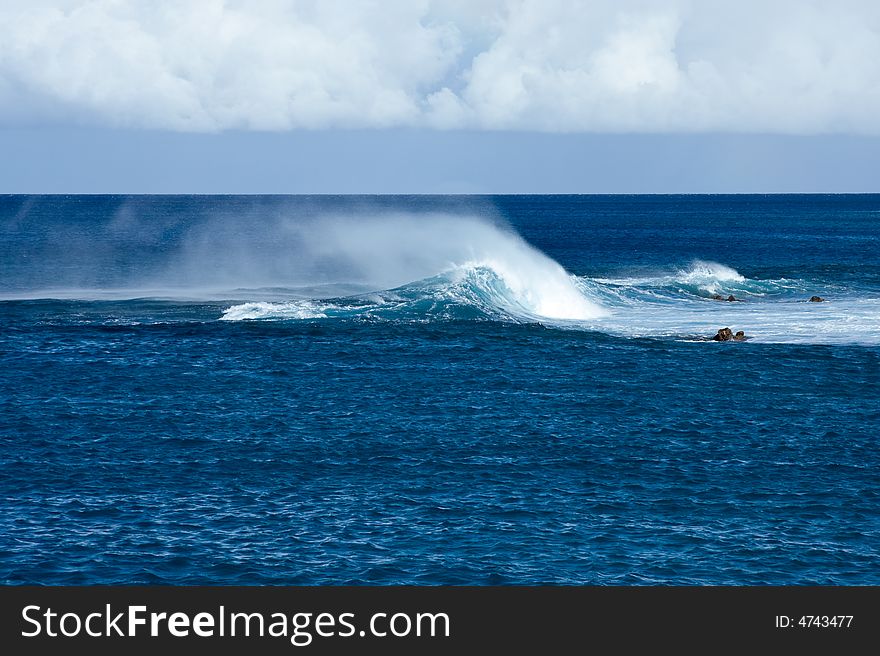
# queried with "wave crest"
point(543, 290)
point(491, 289)
point(708, 276)
point(475, 264)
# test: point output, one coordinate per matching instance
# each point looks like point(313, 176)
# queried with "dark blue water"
point(270, 390)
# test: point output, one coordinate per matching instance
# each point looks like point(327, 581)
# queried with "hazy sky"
point(446, 96)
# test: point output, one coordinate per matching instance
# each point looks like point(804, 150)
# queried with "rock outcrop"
point(727, 335)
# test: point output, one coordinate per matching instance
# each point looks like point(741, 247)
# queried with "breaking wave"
point(449, 266)
point(700, 279)
point(494, 290)
point(686, 303)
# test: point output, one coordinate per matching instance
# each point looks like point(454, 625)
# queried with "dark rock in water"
point(723, 335)
point(732, 298)
point(726, 335)
point(816, 299)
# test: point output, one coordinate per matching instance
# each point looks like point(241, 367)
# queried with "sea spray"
point(437, 255)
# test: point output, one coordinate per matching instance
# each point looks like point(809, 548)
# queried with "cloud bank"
point(783, 66)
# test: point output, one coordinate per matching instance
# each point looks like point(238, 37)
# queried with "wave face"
point(446, 265)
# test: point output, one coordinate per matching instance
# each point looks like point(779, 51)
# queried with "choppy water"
point(439, 389)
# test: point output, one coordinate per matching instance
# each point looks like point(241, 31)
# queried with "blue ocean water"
point(439, 390)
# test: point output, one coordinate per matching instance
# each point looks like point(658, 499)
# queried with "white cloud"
point(807, 66)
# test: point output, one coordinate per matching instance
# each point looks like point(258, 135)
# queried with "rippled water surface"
point(439, 390)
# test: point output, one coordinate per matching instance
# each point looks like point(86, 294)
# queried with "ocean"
point(439, 390)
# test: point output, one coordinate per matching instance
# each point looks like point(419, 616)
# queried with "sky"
point(451, 96)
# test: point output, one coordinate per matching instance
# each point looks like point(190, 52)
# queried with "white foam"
point(709, 277)
point(286, 310)
point(846, 320)
point(534, 286)
point(702, 271)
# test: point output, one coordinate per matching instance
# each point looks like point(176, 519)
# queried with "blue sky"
point(78, 160)
point(439, 96)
